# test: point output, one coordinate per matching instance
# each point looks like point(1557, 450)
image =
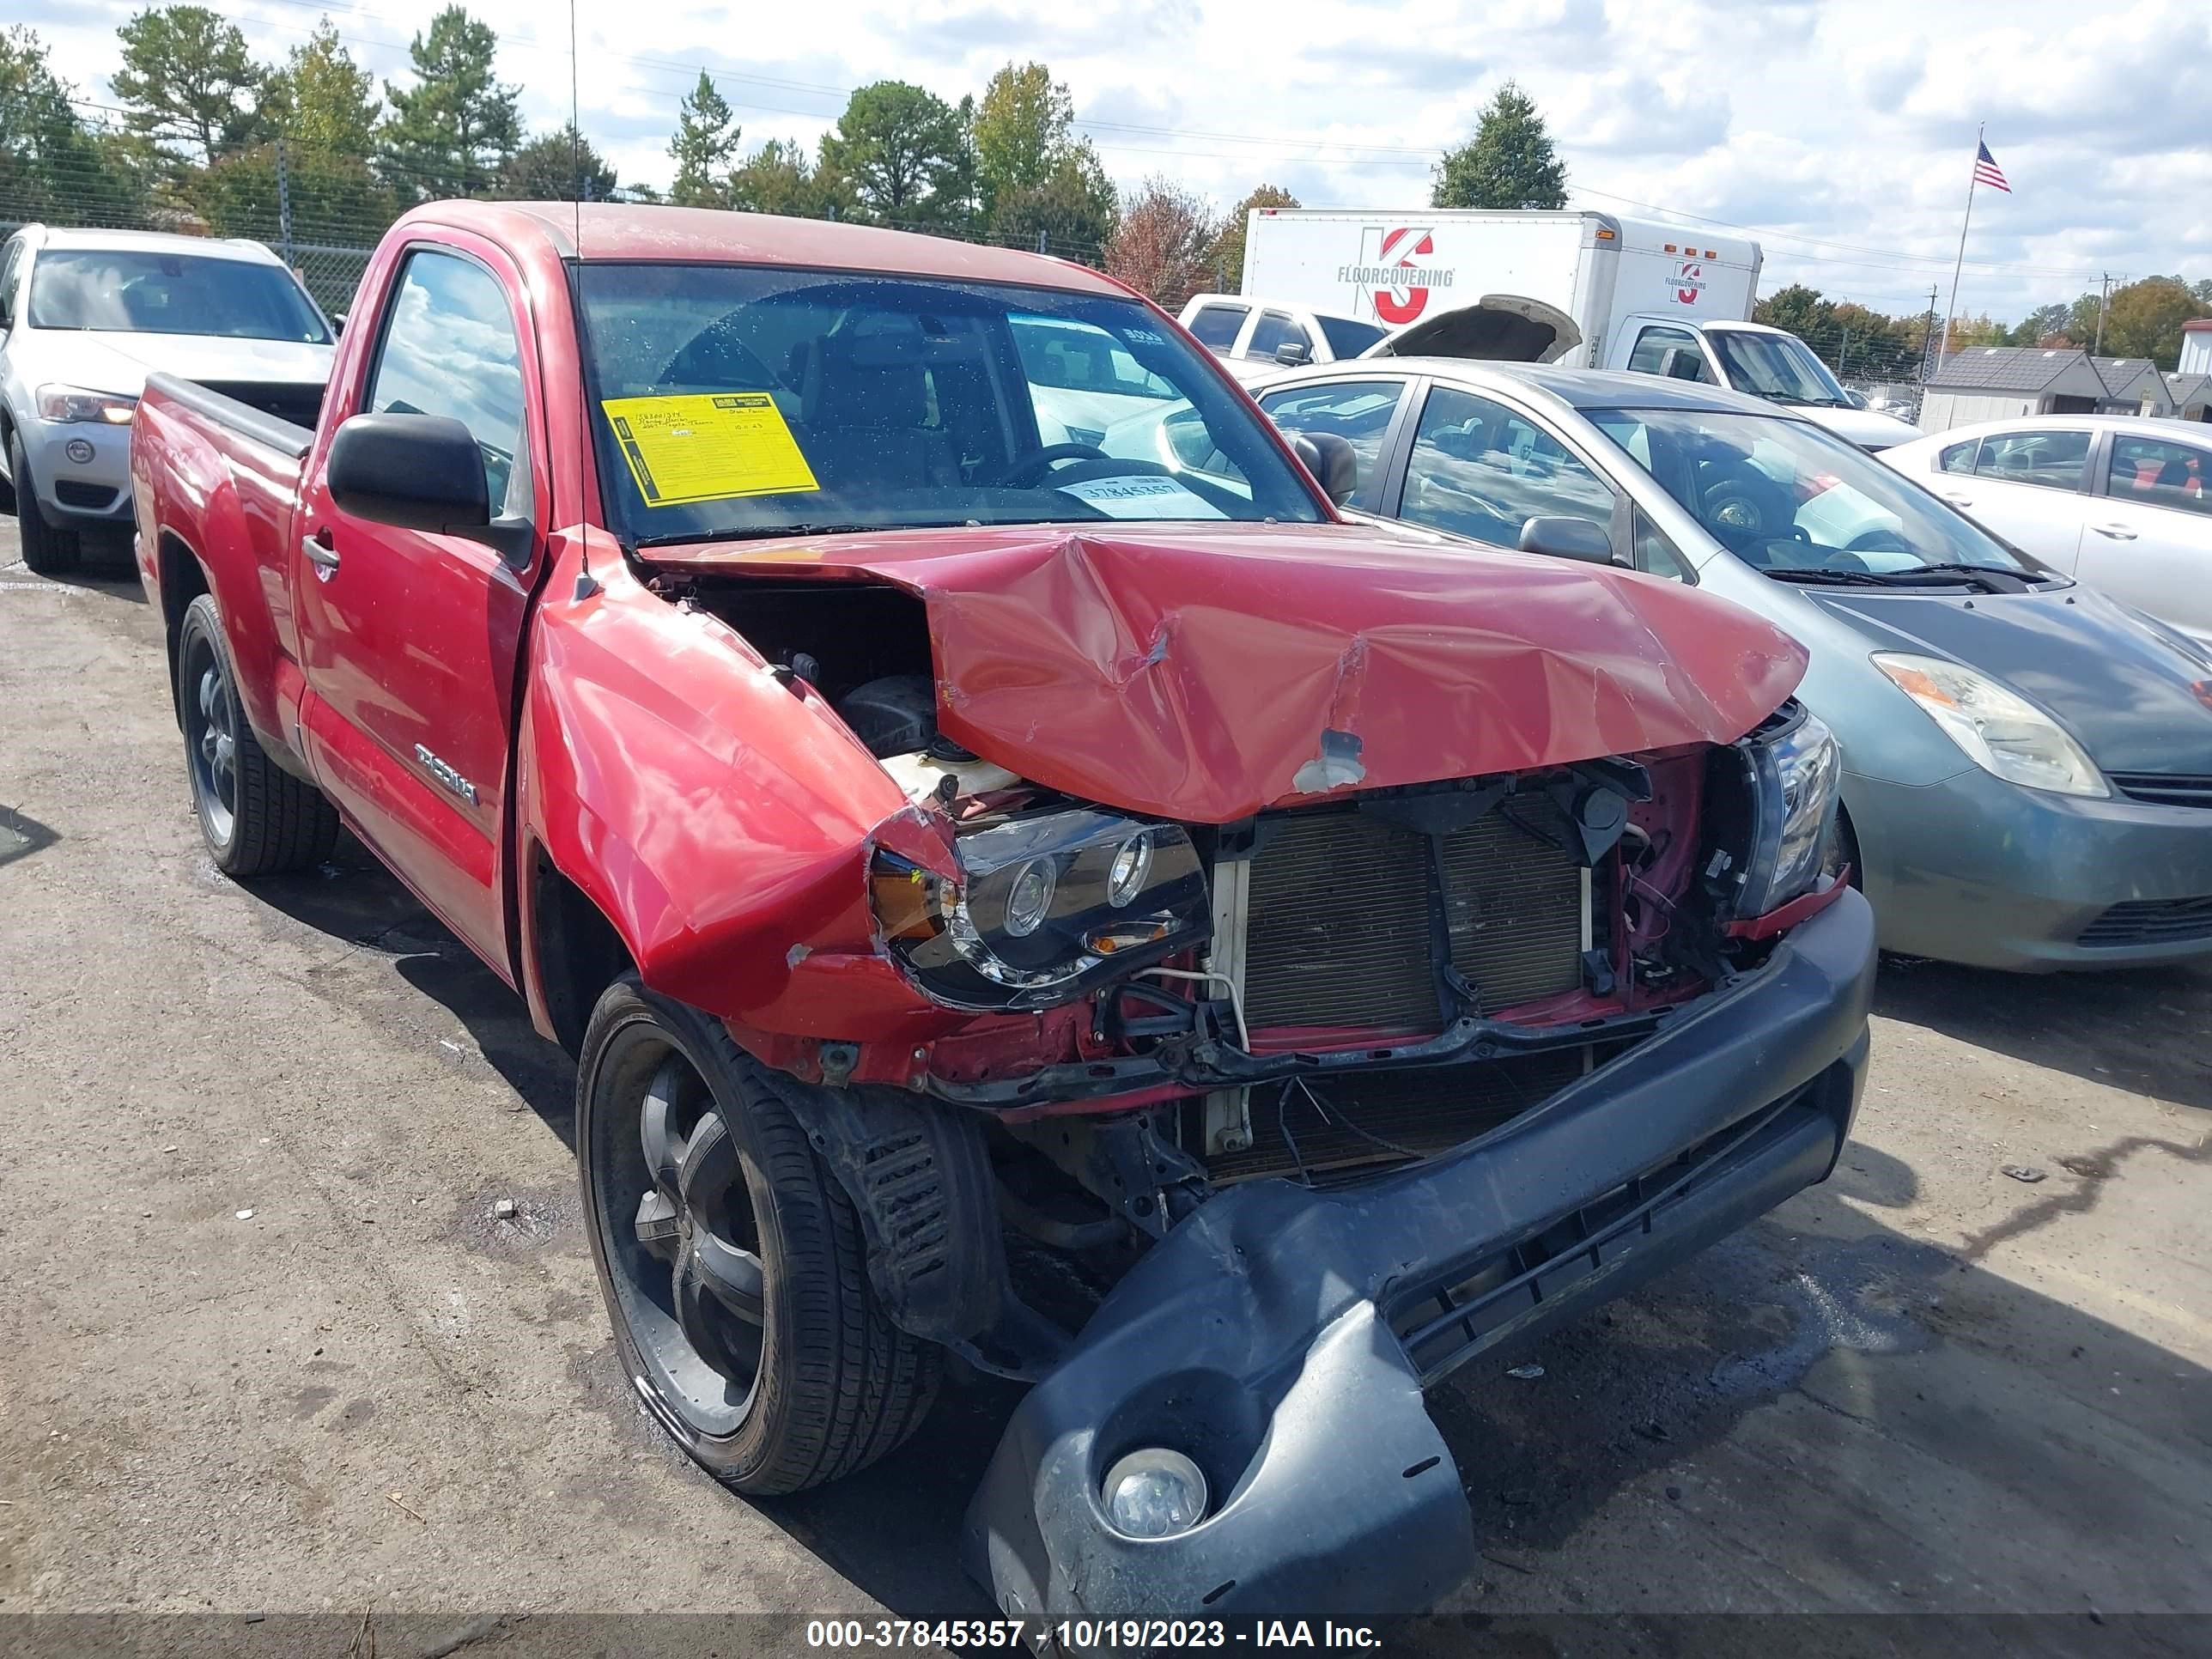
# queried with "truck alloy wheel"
point(210, 736)
point(731, 1260)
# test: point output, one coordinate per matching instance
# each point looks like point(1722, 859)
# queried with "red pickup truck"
point(1022, 877)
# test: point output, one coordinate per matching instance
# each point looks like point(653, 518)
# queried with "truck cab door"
point(411, 642)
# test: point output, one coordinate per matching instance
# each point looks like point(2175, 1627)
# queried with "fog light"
point(1155, 1493)
point(78, 450)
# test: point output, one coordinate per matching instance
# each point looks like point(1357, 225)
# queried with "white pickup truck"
point(1255, 338)
point(1586, 290)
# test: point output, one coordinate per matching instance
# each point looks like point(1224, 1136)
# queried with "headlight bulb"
point(1029, 899)
point(1133, 862)
point(1154, 1493)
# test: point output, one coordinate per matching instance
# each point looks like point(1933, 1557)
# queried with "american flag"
point(1986, 171)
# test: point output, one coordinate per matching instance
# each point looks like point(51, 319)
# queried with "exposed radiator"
point(1345, 911)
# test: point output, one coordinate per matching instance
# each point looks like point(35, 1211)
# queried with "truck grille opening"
point(1349, 915)
point(1353, 1121)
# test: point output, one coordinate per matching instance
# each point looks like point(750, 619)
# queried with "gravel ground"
point(268, 1348)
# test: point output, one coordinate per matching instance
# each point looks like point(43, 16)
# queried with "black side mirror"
point(412, 471)
point(1677, 363)
point(337, 322)
point(1563, 537)
point(1291, 352)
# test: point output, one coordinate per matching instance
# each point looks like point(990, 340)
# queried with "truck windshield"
point(1801, 504)
point(1347, 337)
point(116, 291)
point(736, 401)
point(1780, 368)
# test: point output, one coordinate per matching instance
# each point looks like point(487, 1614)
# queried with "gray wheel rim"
point(676, 1221)
point(211, 738)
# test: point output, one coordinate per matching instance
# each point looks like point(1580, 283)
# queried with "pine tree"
point(1509, 163)
point(705, 144)
point(450, 134)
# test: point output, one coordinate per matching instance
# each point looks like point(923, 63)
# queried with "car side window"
point(449, 348)
point(1959, 458)
point(1274, 331)
point(1481, 471)
point(1652, 346)
point(1216, 326)
point(2158, 473)
point(1358, 411)
point(1655, 552)
point(2054, 460)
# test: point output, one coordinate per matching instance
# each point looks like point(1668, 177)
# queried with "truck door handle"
point(319, 550)
point(2119, 532)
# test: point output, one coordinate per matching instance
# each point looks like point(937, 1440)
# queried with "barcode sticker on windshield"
point(1142, 497)
point(707, 447)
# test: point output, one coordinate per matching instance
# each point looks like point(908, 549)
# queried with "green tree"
point(1022, 130)
point(778, 178)
point(451, 132)
point(186, 79)
point(1798, 308)
point(1228, 250)
point(550, 168)
point(904, 153)
point(2144, 319)
point(1071, 211)
point(1509, 163)
point(334, 198)
point(2045, 325)
point(51, 164)
point(1160, 246)
point(321, 102)
point(705, 141)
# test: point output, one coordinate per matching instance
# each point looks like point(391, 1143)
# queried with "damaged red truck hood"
point(1204, 672)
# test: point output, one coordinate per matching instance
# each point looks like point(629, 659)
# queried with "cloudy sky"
point(1839, 131)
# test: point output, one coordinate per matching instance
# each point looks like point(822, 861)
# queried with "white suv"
point(86, 315)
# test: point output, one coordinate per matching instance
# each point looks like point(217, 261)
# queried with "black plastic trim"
point(281, 436)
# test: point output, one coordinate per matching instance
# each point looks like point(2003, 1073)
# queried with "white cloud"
point(1841, 132)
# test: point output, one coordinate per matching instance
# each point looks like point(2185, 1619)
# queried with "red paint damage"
point(1203, 672)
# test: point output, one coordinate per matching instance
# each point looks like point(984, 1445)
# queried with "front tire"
point(46, 550)
point(257, 819)
point(732, 1262)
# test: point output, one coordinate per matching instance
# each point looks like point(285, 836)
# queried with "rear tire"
point(737, 1277)
point(46, 550)
point(257, 819)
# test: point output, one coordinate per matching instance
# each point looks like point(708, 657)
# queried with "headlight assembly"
point(1043, 908)
point(1999, 730)
point(1795, 773)
point(70, 404)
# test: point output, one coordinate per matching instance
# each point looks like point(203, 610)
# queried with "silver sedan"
point(2028, 764)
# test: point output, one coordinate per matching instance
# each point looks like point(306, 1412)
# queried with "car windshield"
point(112, 291)
point(1780, 368)
point(1797, 502)
point(1347, 337)
point(736, 401)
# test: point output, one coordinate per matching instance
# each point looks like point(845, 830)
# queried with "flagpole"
point(1973, 174)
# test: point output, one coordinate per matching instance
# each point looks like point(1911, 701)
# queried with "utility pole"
point(2104, 295)
point(1928, 337)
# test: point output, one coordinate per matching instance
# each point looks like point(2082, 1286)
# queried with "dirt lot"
point(267, 1347)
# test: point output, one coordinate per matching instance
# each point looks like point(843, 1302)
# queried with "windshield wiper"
point(1815, 577)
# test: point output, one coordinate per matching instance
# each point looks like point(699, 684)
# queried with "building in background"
point(2001, 383)
point(2195, 348)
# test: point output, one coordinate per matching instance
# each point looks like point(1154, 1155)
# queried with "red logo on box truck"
point(1389, 275)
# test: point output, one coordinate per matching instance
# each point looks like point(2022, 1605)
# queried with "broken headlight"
point(1795, 772)
point(1043, 908)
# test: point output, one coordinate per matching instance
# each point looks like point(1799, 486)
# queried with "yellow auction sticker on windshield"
point(707, 447)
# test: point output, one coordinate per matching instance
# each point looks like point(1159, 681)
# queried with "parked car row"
point(1342, 892)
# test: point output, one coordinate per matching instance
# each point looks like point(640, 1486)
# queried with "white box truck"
point(1592, 290)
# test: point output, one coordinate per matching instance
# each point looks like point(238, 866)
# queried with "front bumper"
point(81, 470)
point(1281, 1337)
point(1978, 871)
